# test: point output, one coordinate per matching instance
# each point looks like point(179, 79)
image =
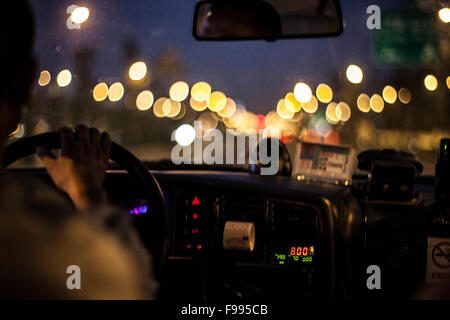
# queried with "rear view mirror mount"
point(270, 20)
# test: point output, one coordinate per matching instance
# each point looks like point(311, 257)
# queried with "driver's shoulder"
point(22, 194)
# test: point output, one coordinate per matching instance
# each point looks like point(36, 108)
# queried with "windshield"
point(383, 81)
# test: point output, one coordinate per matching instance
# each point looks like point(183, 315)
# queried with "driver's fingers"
point(67, 141)
point(83, 134)
point(106, 144)
point(46, 157)
point(94, 135)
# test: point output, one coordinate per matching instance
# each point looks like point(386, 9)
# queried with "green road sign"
point(407, 38)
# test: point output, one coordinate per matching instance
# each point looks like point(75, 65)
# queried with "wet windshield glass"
point(113, 64)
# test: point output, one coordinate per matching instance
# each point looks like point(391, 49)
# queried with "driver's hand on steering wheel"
point(80, 169)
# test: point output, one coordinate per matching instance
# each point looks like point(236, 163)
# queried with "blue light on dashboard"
point(139, 211)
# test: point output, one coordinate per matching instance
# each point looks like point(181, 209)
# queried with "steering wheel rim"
point(125, 159)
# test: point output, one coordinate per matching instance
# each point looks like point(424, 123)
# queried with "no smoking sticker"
point(438, 261)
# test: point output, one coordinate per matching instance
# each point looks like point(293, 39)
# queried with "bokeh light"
point(64, 78)
point(171, 108)
point(377, 103)
point(201, 91)
point(138, 71)
point(330, 114)
point(100, 92)
point(80, 15)
point(292, 104)
point(179, 91)
point(217, 101)
point(44, 78)
point(448, 82)
point(444, 15)
point(229, 110)
point(404, 95)
point(363, 103)
point(185, 135)
point(198, 106)
point(116, 92)
point(343, 112)
point(430, 82)
point(324, 93)
point(158, 107)
point(283, 111)
point(145, 100)
point(354, 74)
point(311, 106)
point(302, 92)
point(389, 94)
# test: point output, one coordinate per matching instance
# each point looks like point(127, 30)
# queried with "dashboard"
point(237, 235)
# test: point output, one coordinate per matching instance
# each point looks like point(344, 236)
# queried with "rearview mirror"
point(269, 20)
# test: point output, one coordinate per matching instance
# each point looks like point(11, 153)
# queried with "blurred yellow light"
point(138, 71)
point(179, 91)
point(201, 91)
point(302, 92)
point(283, 111)
point(292, 104)
point(311, 106)
point(324, 93)
point(217, 101)
point(448, 82)
point(44, 78)
point(229, 109)
point(64, 78)
point(354, 74)
point(389, 94)
point(158, 107)
point(171, 108)
point(80, 15)
point(198, 106)
point(330, 120)
point(100, 92)
point(363, 103)
point(431, 82)
point(116, 92)
point(15, 131)
point(145, 100)
point(444, 15)
point(331, 113)
point(404, 95)
point(343, 112)
point(377, 103)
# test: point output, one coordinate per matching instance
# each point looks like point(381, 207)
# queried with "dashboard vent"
point(243, 209)
point(293, 222)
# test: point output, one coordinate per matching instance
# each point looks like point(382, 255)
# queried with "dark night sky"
point(256, 72)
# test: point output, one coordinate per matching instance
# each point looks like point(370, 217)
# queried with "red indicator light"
point(195, 216)
point(188, 246)
point(195, 202)
point(199, 247)
point(194, 231)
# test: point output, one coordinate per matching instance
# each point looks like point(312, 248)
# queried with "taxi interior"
point(313, 238)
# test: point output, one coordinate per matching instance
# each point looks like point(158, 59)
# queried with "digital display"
point(293, 255)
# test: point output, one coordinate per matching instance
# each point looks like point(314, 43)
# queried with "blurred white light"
point(444, 15)
point(354, 74)
point(64, 78)
point(185, 135)
point(302, 92)
point(80, 15)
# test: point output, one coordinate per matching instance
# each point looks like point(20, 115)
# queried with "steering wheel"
point(156, 221)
